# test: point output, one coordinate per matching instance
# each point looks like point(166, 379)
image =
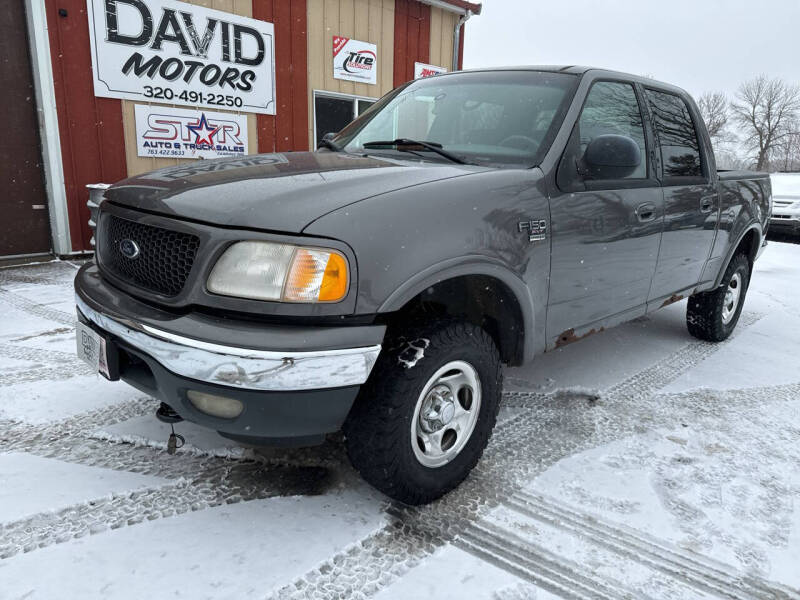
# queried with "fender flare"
point(464, 266)
point(754, 225)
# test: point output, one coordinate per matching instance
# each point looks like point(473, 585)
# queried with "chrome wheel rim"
point(445, 414)
point(732, 295)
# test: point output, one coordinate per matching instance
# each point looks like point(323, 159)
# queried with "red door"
point(24, 225)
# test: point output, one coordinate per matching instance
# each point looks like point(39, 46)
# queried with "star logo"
point(203, 132)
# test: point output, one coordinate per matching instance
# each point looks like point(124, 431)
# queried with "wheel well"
point(748, 246)
point(483, 300)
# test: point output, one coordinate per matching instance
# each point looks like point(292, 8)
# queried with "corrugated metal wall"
point(412, 31)
point(366, 20)
point(287, 131)
point(442, 25)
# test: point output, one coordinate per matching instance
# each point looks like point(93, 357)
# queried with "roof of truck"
point(579, 70)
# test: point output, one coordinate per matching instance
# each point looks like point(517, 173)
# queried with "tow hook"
point(166, 414)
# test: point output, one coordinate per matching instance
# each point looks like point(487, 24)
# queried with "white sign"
point(187, 133)
point(354, 60)
point(178, 53)
point(421, 70)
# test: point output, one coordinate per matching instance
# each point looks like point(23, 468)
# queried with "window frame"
point(651, 179)
point(680, 180)
point(354, 98)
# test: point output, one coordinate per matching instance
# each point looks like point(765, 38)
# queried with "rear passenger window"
point(677, 136)
point(612, 108)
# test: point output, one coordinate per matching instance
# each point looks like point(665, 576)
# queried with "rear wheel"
point(712, 316)
point(421, 422)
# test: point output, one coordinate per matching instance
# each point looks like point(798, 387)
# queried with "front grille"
point(164, 259)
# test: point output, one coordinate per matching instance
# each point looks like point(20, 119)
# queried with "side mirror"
point(329, 136)
point(611, 156)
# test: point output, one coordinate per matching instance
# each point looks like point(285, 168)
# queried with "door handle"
point(707, 204)
point(646, 212)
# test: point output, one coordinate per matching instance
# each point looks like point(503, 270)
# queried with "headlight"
point(280, 272)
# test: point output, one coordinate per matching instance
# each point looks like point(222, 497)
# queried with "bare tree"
point(764, 108)
point(714, 110)
point(787, 150)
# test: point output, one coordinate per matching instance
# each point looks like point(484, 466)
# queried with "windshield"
point(505, 117)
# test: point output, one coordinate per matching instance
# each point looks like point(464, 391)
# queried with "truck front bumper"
point(296, 392)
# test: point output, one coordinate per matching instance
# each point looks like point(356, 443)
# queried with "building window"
point(333, 111)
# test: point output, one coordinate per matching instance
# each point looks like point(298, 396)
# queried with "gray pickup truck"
point(377, 285)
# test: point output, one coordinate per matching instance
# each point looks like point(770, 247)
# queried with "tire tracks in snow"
point(522, 446)
point(50, 365)
point(192, 481)
point(33, 308)
point(535, 564)
point(39, 355)
point(77, 440)
point(692, 569)
point(58, 272)
point(28, 278)
point(245, 482)
point(391, 551)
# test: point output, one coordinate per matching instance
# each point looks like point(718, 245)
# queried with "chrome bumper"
point(241, 367)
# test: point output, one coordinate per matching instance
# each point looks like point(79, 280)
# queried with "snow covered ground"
point(637, 463)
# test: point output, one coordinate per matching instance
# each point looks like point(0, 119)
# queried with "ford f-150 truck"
point(377, 286)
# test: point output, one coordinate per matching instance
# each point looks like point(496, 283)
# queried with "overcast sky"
point(700, 45)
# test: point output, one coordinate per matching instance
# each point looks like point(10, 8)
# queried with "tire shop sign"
point(354, 60)
point(178, 53)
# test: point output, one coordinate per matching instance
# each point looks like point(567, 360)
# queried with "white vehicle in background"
point(785, 216)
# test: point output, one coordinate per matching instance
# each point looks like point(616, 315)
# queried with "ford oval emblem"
point(129, 249)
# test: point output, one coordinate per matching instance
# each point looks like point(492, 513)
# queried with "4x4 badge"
point(536, 228)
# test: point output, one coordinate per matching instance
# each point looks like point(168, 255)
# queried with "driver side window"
point(611, 108)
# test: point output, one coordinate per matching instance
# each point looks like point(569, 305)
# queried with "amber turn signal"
point(334, 281)
point(316, 275)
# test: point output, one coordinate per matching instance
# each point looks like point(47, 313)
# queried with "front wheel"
point(421, 422)
point(712, 316)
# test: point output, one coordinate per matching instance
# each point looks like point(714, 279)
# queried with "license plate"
point(91, 347)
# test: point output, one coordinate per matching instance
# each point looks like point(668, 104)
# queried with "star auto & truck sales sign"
point(178, 53)
point(186, 133)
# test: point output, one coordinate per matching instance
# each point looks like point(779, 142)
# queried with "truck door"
point(691, 203)
point(605, 232)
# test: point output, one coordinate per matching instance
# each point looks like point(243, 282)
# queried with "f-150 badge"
point(536, 228)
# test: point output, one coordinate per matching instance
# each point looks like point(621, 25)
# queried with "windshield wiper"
point(432, 146)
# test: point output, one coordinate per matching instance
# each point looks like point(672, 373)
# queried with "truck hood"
point(278, 192)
